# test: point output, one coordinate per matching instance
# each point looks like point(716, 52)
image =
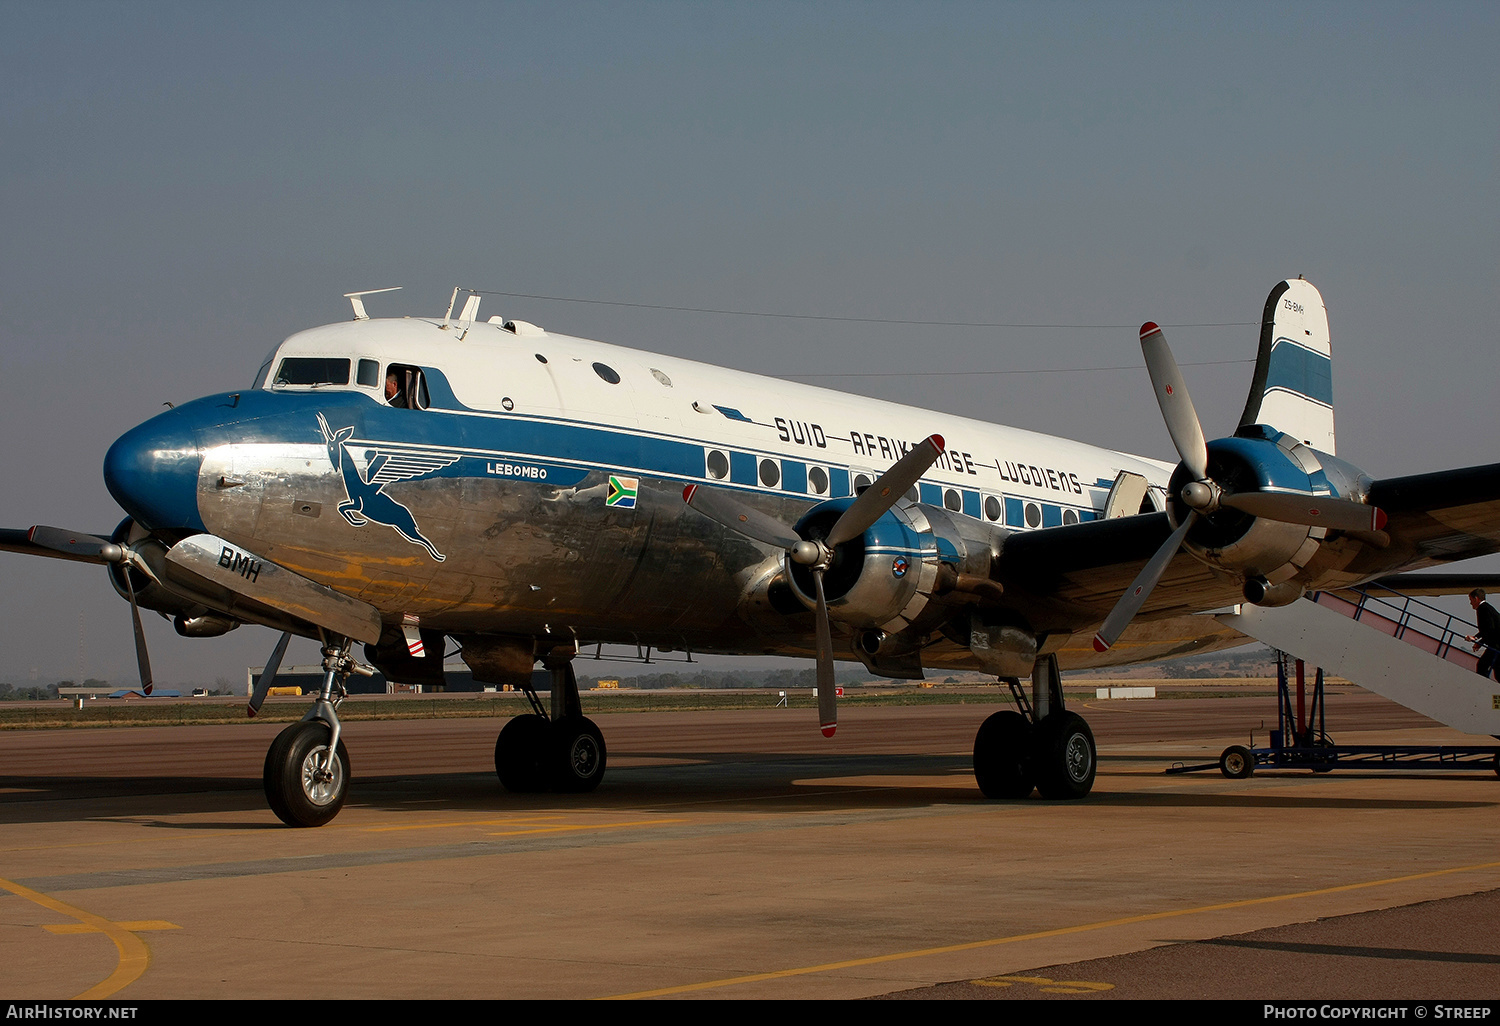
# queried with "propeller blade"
point(885, 492)
point(828, 700)
point(87, 548)
point(1176, 405)
point(717, 504)
point(142, 659)
point(263, 686)
point(1140, 589)
point(1312, 510)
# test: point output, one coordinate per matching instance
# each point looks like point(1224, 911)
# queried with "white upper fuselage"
point(1001, 475)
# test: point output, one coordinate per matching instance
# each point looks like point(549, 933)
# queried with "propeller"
point(815, 553)
point(90, 548)
point(263, 686)
point(1203, 495)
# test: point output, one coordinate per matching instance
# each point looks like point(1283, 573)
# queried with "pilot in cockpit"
point(395, 392)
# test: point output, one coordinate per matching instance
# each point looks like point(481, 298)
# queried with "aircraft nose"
point(152, 471)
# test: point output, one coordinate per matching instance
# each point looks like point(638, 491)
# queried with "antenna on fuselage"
point(470, 311)
point(356, 300)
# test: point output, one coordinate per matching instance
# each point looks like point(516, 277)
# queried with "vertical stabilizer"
point(1293, 386)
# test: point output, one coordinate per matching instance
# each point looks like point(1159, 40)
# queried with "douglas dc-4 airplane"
point(399, 482)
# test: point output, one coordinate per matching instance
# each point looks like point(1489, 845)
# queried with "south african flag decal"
point(622, 492)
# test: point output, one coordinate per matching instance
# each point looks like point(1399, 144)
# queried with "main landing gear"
point(306, 775)
point(1042, 747)
point(561, 752)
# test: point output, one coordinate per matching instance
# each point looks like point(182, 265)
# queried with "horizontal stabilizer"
point(1428, 585)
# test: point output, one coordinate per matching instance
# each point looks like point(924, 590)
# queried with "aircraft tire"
point(578, 755)
point(1236, 763)
point(521, 754)
point(293, 788)
point(1064, 757)
point(1002, 749)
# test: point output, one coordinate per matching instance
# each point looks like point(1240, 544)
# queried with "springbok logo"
point(368, 502)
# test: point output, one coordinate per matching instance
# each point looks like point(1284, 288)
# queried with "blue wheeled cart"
point(1300, 740)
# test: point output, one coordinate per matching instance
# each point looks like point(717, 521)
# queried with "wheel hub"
point(1076, 757)
point(321, 784)
point(583, 755)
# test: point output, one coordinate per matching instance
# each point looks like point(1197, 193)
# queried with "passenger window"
point(369, 373)
point(405, 388)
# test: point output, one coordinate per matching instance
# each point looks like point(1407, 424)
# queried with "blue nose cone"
point(152, 471)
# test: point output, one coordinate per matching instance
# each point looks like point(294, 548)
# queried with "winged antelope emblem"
point(384, 464)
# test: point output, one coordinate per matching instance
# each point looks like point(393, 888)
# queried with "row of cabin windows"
point(811, 479)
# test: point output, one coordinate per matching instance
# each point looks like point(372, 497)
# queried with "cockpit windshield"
point(312, 370)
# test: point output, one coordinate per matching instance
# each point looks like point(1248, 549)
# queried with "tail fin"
point(1293, 386)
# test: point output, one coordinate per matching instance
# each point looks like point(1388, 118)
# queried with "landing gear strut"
point(563, 751)
point(1043, 746)
point(306, 775)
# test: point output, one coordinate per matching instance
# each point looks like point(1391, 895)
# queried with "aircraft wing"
point(1068, 578)
point(1436, 518)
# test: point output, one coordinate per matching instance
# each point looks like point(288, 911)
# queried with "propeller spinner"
point(817, 553)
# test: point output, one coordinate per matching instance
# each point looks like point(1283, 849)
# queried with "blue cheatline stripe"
point(742, 468)
point(1294, 368)
point(484, 442)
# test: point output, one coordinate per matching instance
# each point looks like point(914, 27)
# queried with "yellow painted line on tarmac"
point(505, 821)
point(68, 929)
point(590, 826)
point(116, 841)
point(135, 957)
point(948, 949)
point(1046, 983)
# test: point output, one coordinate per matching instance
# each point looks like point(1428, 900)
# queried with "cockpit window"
point(313, 370)
point(369, 373)
point(405, 387)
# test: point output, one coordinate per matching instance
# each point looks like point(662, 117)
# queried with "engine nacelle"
point(887, 577)
point(1262, 459)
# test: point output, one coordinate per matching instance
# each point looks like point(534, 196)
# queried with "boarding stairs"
point(1396, 646)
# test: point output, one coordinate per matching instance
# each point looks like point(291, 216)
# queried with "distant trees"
point(10, 693)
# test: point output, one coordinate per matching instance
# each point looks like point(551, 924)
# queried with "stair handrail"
point(1446, 634)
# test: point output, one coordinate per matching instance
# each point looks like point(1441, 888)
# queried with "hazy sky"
point(183, 185)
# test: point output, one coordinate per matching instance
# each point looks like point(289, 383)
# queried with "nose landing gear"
point(306, 775)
